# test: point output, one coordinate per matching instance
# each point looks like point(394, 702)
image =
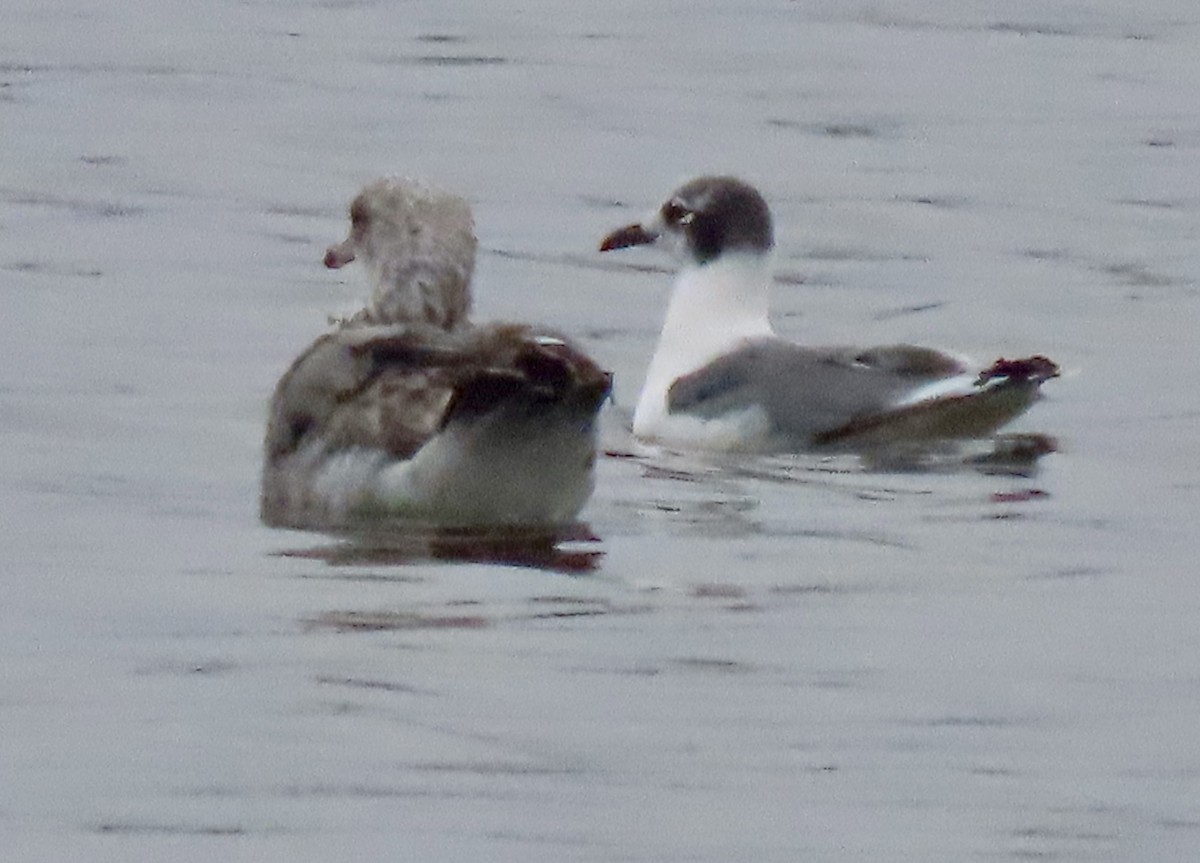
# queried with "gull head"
point(417, 244)
point(702, 220)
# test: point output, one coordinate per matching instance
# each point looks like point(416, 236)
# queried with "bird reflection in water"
point(568, 550)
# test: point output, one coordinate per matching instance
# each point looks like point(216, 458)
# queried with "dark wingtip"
point(483, 393)
point(545, 371)
point(1036, 368)
point(630, 235)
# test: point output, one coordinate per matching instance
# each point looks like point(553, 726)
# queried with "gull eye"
point(675, 213)
point(358, 215)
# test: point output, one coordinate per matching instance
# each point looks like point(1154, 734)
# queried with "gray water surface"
point(768, 659)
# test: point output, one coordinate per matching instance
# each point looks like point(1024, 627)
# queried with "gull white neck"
point(713, 309)
point(717, 305)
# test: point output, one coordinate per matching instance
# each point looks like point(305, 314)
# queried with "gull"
point(721, 379)
point(407, 410)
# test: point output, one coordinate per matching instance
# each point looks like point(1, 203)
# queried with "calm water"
point(769, 660)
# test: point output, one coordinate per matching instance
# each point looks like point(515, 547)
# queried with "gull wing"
point(804, 391)
point(392, 388)
point(848, 396)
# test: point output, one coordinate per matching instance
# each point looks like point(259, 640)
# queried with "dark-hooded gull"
point(721, 379)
